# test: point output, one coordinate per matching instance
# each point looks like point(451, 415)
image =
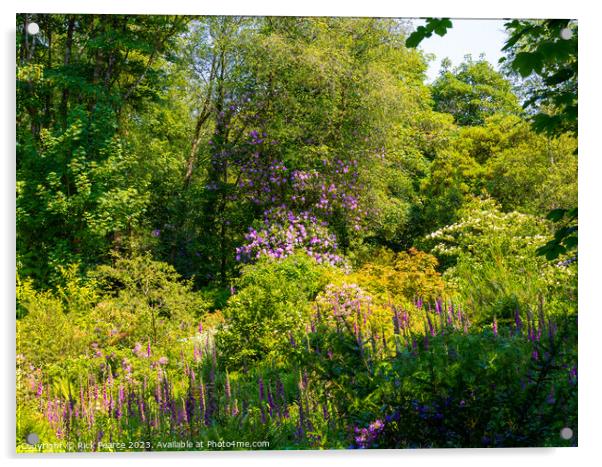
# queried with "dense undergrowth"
point(303, 358)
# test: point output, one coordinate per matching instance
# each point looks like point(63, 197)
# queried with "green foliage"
point(80, 189)
point(55, 326)
point(491, 384)
point(133, 301)
point(271, 303)
point(504, 159)
point(492, 262)
point(565, 237)
point(135, 319)
point(534, 175)
point(473, 91)
point(82, 205)
point(438, 26)
point(145, 299)
point(454, 175)
point(546, 49)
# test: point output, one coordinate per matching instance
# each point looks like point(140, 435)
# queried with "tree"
point(299, 97)
point(473, 91)
point(77, 81)
point(548, 50)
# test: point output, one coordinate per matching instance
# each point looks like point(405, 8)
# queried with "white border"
point(461, 8)
point(590, 198)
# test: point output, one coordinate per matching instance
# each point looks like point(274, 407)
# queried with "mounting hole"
point(566, 34)
point(566, 433)
point(33, 29)
point(32, 438)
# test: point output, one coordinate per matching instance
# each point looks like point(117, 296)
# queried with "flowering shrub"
point(344, 300)
point(482, 224)
point(302, 207)
point(491, 262)
point(285, 233)
point(344, 306)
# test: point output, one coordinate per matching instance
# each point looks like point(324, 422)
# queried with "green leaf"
point(416, 37)
point(556, 214)
point(438, 26)
point(441, 26)
point(570, 242)
point(560, 76)
point(526, 63)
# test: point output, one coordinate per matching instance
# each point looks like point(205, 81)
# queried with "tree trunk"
point(66, 61)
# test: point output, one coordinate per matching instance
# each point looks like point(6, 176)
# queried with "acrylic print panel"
point(268, 233)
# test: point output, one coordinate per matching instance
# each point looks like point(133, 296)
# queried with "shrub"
point(116, 306)
point(492, 262)
point(145, 299)
point(272, 300)
point(53, 325)
point(483, 389)
point(401, 276)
